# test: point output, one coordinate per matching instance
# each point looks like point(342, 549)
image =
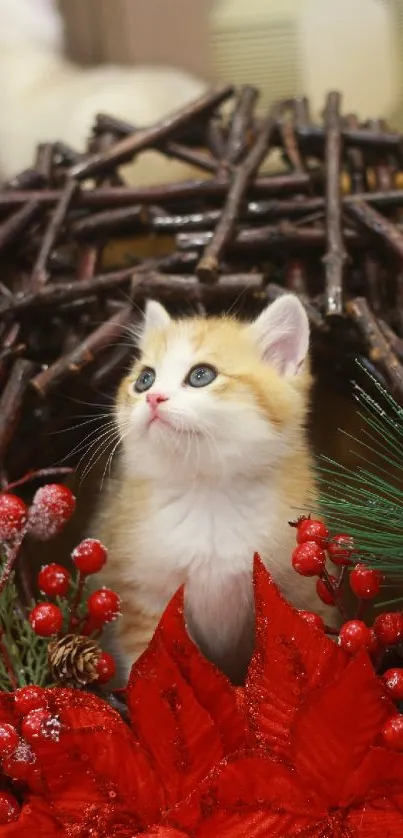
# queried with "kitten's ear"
point(282, 334)
point(155, 317)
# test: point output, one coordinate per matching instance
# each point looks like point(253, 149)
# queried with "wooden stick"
point(17, 223)
point(39, 273)
point(126, 149)
point(372, 220)
point(207, 269)
point(63, 292)
point(177, 151)
point(380, 351)
point(11, 401)
point(240, 125)
point(267, 237)
point(336, 255)
point(109, 197)
point(290, 142)
point(83, 354)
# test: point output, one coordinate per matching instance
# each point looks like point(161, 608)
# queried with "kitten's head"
point(215, 397)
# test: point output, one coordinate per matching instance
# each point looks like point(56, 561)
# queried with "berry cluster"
point(35, 723)
point(315, 550)
point(71, 611)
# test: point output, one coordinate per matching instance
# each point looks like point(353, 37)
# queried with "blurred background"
point(62, 61)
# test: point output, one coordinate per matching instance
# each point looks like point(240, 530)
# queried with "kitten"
point(214, 463)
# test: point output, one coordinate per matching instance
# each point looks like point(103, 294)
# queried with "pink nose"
point(154, 399)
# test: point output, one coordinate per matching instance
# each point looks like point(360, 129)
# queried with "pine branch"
point(368, 502)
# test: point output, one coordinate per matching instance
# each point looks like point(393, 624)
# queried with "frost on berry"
point(13, 516)
point(52, 506)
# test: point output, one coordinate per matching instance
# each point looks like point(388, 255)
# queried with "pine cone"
point(73, 660)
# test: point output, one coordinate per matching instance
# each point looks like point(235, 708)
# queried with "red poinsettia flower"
point(296, 752)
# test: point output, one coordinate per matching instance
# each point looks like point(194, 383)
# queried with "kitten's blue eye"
point(145, 380)
point(201, 376)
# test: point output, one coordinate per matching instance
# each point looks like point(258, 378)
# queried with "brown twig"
point(372, 220)
point(38, 474)
point(114, 196)
point(64, 292)
point(380, 352)
point(125, 219)
point(12, 399)
point(267, 238)
point(17, 223)
point(177, 151)
point(125, 149)
point(239, 130)
point(336, 254)
point(207, 269)
point(39, 273)
point(83, 354)
point(290, 143)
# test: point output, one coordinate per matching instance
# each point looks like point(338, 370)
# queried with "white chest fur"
point(206, 536)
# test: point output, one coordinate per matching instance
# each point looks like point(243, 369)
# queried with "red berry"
point(9, 808)
point(103, 605)
point(340, 549)
point(364, 582)
point(19, 764)
point(324, 593)
point(309, 529)
point(393, 679)
point(354, 636)
point(13, 516)
point(392, 733)
point(54, 580)
point(89, 556)
point(312, 619)
point(29, 698)
point(388, 628)
point(8, 738)
point(33, 726)
point(52, 506)
point(308, 559)
point(106, 668)
point(46, 619)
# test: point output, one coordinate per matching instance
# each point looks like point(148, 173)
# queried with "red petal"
point(36, 821)
point(248, 796)
point(181, 737)
point(377, 819)
point(379, 774)
point(163, 832)
point(210, 687)
point(95, 772)
point(336, 726)
point(291, 660)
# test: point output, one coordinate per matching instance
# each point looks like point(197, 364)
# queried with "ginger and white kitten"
point(214, 463)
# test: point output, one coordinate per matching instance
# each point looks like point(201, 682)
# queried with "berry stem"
point(12, 554)
point(341, 577)
point(39, 474)
point(76, 603)
point(331, 630)
point(335, 589)
point(7, 662)
point(360, 609)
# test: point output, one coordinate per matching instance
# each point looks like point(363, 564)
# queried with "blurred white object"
point(308, 47)
point(43, 97)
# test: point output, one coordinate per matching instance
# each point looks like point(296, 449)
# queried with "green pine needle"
point(27, 652)
point(367, 503)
